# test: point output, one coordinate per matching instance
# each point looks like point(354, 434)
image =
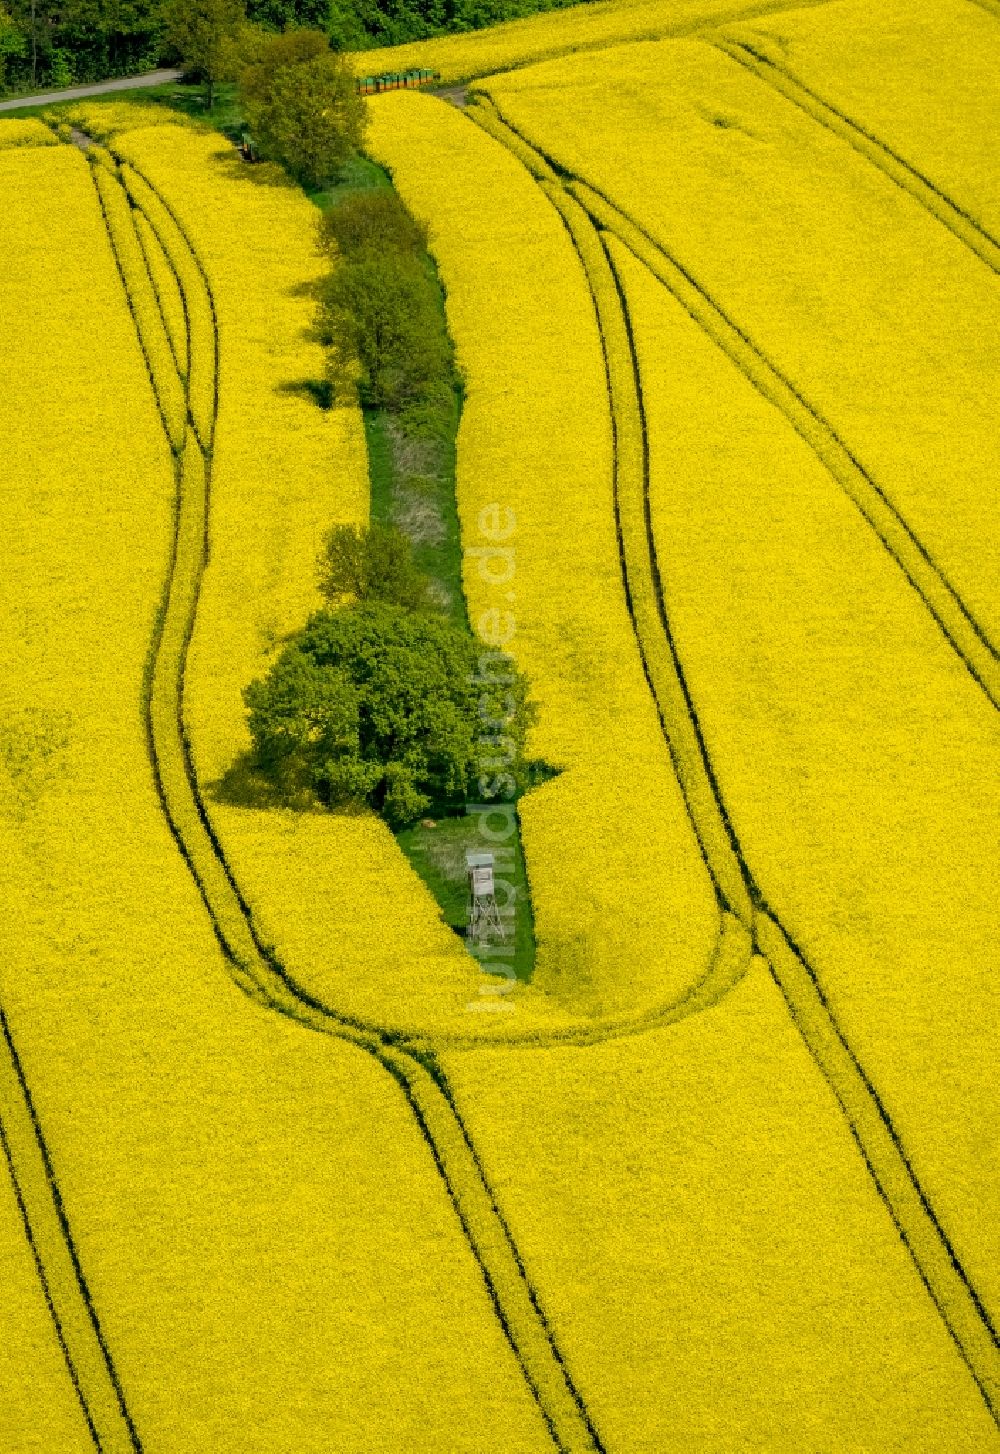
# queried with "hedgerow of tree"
point(383, 699)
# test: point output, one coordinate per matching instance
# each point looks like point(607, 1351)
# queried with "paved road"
point(126, 83)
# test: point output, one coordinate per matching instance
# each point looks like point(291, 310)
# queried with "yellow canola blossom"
point(881, 318)
point(105, 119)
point(27, 131)
point(845, 735)
point(167, 289)
point(576, 28)
point(156, 344)
point(260, 1224)
point(39, 1409)
point(200, 319)
point(715, 1260)
point(624, 911)
point(921, 77)
point(283, 472)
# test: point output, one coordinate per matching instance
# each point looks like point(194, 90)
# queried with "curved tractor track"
point(945, 209)
point(586, 215)
point(942, 600)
point(123, 191)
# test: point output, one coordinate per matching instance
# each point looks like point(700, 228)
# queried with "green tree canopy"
point(373, 220)
point(13, 41)
point(379, 704)
point(372, 563)
point(203, 33)
point(301, 102)
point(380, 316)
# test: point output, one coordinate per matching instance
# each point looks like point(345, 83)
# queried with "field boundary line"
point(876, 1138)
point(257, 970)
point(977, 238)
point(74, 1316)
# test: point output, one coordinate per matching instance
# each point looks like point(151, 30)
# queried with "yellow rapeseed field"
point(156, 345)
point(713, 1256)
point(864, 291)
point(919, 77)
point(268, 1244)
point(105, 119)
point(722, 284)
point(515, 43)
point(168, 292)
point(542, 570)
point(39, 1409)
point(26, 131)
point(845, 735)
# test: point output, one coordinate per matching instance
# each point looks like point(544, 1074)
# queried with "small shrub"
point(380, 316)
point(372, 563)
point(372, 221)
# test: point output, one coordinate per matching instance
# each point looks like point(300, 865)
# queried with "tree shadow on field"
point(314, 391)
point(243, 785)
point(262, 174)
point(308, 288)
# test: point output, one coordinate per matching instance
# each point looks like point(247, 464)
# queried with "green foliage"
point(301, 102)
point(391, 22)
point(202, 32)
point(279, 15)
point(379, 316)
point(378, 704)
point(374, 220)
point(44, 41)
point(13, 41)
point(372, 563)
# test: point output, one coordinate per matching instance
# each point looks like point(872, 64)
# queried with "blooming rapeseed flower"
point(224, 1172)
point(624, 911)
